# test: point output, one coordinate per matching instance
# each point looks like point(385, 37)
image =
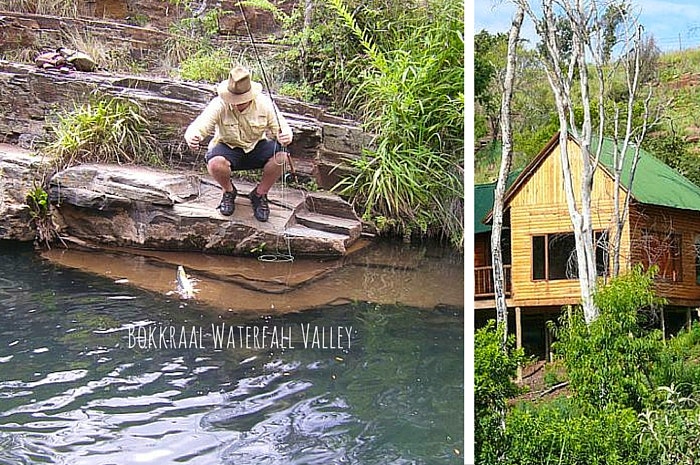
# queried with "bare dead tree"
point(506, 162)
point(586, 58)
point(628, 142)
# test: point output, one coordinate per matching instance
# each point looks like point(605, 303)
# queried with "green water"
point(78, 387)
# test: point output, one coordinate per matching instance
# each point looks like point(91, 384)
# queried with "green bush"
point(559, 433)
point(411, 97)
point(494, 370)
point(671, 432)
point(611, 361)
point(678, 362)
point(206, 65)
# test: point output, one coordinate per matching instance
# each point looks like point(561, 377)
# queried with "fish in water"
point(185, 287)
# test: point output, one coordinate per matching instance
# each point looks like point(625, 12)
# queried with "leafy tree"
point(484, 68)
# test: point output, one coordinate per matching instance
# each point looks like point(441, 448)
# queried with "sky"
point(675, 24)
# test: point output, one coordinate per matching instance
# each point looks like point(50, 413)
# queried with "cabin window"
point(554, 256)
point(664, 251)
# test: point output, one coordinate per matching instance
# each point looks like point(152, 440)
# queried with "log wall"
point(539, 207)
point(684, 290)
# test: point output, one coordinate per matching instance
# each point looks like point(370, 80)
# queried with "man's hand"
point(193, 142)
point(284, 139)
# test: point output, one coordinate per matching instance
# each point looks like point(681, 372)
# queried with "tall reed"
point(411, 97)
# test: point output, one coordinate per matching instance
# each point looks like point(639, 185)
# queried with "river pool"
point(96, 372)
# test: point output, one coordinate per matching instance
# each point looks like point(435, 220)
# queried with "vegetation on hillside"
point(410, 94)
point(398, 67)
point(103, 130)
point(673, 138)
point(632, 396)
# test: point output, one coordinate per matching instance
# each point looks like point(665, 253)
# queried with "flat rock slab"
point(109, 187)
point(117, 205)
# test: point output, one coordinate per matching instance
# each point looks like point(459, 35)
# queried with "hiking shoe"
point(227, 204)
point(261, 210)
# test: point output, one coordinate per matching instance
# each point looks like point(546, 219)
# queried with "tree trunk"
point(308, 10)
point(587, 23)
point(506, 162)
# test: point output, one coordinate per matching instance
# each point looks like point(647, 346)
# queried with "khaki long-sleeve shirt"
point(239, 129)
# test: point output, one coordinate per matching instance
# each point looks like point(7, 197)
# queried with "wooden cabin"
point(663, 229)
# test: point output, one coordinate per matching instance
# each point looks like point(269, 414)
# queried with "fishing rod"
point(276, 257)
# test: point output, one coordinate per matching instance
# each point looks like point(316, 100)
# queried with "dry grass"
point(66, 8)
point(106, 55)
point(23, 55)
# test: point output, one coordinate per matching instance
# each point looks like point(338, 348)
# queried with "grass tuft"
point(103, 130)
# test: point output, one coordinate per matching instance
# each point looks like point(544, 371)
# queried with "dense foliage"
point(103, 130)
point(671, 137)
point(632, 396)
point(407, 86)
point(611, 360)
point(495, 367)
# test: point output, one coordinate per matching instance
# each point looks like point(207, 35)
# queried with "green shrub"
point(611, 361)
point(206, 65)
point(103, 130)
point(300, 91)
point(678, 362)
point(39, 209)
point(411, 96)
point(559, 433)
point(494, 370)
point(671, 431)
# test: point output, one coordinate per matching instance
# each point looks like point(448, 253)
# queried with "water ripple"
point(90, 399)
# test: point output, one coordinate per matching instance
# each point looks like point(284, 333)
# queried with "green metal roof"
point(655, 183)
point(483, 202)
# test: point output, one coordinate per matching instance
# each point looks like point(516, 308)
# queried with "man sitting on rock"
point(240, 118)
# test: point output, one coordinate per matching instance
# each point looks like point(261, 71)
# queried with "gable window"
point(664, 251)
point(554, 256)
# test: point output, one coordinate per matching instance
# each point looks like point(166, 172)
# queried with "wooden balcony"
point(483, 281)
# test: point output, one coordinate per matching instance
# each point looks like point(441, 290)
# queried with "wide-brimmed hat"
point(238, 88)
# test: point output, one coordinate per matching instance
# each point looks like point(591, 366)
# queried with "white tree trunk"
point(588, 55)
point(506, 162)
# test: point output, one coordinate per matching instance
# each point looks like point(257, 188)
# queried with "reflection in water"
point(74, 391)
point(382, 273)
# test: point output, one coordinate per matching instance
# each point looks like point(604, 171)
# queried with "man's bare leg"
point(220, 169)
point(272, 171)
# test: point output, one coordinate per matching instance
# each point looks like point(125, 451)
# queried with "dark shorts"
point(255, 159)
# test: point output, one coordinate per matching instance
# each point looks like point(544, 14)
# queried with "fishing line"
point(278, 256)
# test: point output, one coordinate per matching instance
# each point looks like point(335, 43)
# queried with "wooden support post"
point(547, 342)
point(519, 337)
point(688, 318)
point(663, 325)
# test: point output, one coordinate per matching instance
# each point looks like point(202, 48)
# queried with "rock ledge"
point(120, 205)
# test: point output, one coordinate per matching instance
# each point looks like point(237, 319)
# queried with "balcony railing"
point(483, 281)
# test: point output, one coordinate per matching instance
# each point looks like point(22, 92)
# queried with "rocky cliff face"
point(160, 14)
point(29, 96)
point(102, 205)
